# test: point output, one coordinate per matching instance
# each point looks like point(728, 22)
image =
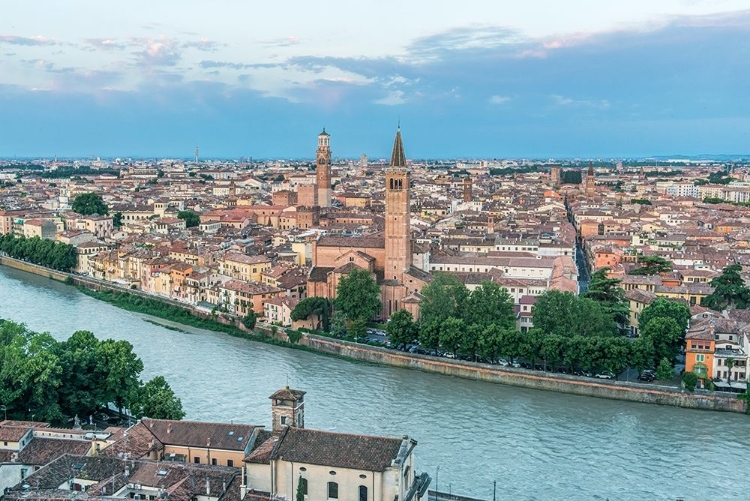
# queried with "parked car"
point(605, 375)
point(646, 376)
point(503, 362)
point(448, 354)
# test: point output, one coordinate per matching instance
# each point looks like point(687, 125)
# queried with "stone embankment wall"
point(617, 390)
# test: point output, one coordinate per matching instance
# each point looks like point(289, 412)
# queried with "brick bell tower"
point(323, 169)
point(398, 252)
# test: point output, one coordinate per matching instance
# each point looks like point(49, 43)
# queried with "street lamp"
point(437, 472)
point(5, 410)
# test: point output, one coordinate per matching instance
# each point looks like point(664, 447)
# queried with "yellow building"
point(244, 267)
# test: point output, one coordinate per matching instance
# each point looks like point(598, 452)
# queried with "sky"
point(470, 79)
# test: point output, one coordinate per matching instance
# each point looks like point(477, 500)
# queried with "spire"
point(591, 169)
point(398, 158)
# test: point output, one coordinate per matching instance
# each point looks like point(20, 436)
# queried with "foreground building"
point(189, 460)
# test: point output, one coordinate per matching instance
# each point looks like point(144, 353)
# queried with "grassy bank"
point(156, 308)
point(168, 327)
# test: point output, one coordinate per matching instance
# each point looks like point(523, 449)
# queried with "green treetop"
point(729, 290)
point(89, 203)
point(607, 292)
point(358, 296)
point(191, 218)
point(651, 265)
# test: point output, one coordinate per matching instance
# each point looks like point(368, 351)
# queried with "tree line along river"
point(537, 445)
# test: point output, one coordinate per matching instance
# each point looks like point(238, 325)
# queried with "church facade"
point(387, 255)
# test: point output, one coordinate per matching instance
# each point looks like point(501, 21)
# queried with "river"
point(537, 445)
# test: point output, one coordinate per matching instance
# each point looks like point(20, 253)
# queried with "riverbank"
point(134, 300)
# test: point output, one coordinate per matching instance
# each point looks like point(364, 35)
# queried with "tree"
point(512, 343)
point(532, 346)
point(652, 265)
point(490, 342)
point(642, 353)
point(88, 204)
point(665, 371)
point(689, 380)
point(666, 336)
point(429, 334)
point(117, 219)
point(661, 307)
point(490, 304)
point(120, 368)
point(358, 296)
point(79, 391)
point(338, 324)
point(309, 306)
point(730, 365)
point(301, 489)
point(451, 333)
point(191, 218)
point(156, 400)
point(442, 298)
point(565, 314)
point(729, 290)
point(249, 320)
point(356, 329)
point(607, 292)
point(401, 328)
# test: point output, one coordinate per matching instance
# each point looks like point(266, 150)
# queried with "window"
point(230, 462)
point(362, 493)
point(213, 461)
point(197, 460)
point(303, 484)
point(283, 419)
point(333, 490)
point(700, 358)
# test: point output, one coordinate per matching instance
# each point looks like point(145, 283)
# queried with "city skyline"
point(489, 81)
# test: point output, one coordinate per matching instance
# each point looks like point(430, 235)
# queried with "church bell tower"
point(323, 169)
point(398, 252)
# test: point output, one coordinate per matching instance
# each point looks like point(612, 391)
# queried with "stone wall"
point(617, 390)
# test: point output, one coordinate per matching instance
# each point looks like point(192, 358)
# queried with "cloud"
point(499, 99)
point(203, 44)
point(29, 41)
point(105, 43)
point(601, 104)
point(160, 52)
point(208, 64)
point(393, 98)
point(282, 42)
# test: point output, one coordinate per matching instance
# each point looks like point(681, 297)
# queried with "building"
point(323, 169)
point(556, 175)
point(189, 460)
point(590, 180)
point(329, 466)
point(467, 189)
point(388, 255)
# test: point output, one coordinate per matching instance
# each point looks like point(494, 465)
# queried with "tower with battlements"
point(323, 169)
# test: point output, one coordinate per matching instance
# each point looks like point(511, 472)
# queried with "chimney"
point(208, 442)
point(208, 487)
point(169, 428)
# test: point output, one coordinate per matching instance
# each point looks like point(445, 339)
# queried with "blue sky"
point(473, 79)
